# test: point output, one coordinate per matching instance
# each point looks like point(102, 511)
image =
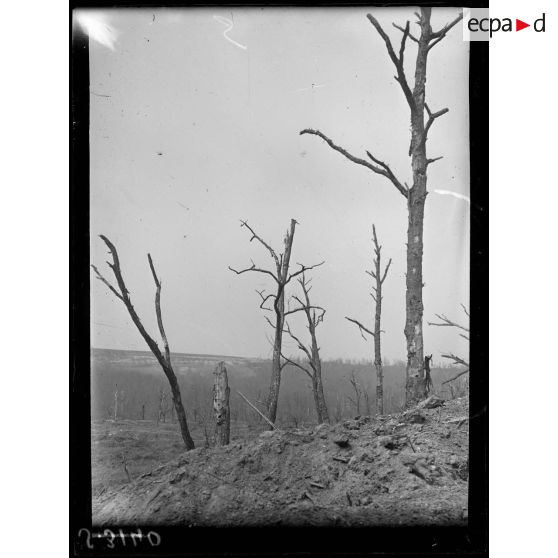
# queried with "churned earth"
point(405, 469)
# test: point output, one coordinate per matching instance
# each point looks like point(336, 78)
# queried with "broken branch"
point(257, 410)
point(383, 169)
point(158, 310)
point(397, 62)
point(361, 327)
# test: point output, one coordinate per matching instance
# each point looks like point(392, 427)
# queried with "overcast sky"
point(192, 131)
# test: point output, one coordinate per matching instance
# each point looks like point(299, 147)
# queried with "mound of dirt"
point(406, 469)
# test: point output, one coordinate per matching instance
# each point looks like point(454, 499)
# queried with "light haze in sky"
point(195, 121)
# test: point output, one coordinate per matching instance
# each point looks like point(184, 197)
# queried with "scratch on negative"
point(230, 25)
point(454, 194)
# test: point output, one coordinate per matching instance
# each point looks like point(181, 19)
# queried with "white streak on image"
point(311, 88)
point(229, 25)
point(454, 194)
point(96, 27)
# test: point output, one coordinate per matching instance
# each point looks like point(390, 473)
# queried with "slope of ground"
point(408, 469)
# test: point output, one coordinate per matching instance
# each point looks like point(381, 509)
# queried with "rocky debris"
point(341, 440)
point(386, 471)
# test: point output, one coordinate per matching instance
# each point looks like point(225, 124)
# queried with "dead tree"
point(163, 407)
point(123, 294)
point(314, 316)
point(415, 196)
point(446, 322)
point(358, 393)
point(282, 278)
point(428, 377)
point(115, 402)
point(379, 279)
point(221, 393)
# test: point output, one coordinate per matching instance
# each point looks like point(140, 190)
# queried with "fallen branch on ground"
point(257, 410)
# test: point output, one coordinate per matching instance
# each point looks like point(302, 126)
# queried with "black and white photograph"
point(279, 253)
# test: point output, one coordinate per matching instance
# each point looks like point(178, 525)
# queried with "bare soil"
point(393, 470)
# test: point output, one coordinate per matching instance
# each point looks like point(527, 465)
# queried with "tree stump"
point(221, 392)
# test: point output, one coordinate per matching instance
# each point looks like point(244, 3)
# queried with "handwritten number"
point(88, 539)
point(109, 535)
point(156, 536)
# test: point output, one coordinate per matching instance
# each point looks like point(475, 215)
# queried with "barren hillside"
point(400, 469)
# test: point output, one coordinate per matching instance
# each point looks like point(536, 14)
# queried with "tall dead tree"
point(446, 322)
point(379, 279)
point(221, 393)
point(415, 196)
point(123, 294)
point(282, 278)
point(314, 316)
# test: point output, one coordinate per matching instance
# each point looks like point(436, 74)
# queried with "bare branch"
point(403, 41)
point(398, 62)
point(431, 117)
point(465, 309)
point(254, 268)
point(456, 359)
point(262, 242)
point(303, 268)
point(300, 344)
point(383, 169)
point(124, 296)
point(439, 35)
point(385, 271)
point(361, 327)
point(296, 364)
point(101, 278)
point(446, 322)
point(403, 31)
point(265, 299)
point(429, 161)
point(388, 173)
point(158, 310)
point(456, 376)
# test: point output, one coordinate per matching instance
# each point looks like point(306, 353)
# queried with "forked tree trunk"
point(164, 360)
point(282, 278)
point(314, 316)
point(279, 307)
point(221, 392)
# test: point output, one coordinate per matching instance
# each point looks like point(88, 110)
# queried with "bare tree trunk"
point(377, 274)
point(160, 408)
point(379, 279)
point(115, 402)
point(415, 389)
point(282, 278)
point(358, 393)
point(323, 414)
point(314, 316)
point(143, 412)
point(164, 360)
point(221, 392)
point(416, 385)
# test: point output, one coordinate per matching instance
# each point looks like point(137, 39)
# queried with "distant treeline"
point(138, 387)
